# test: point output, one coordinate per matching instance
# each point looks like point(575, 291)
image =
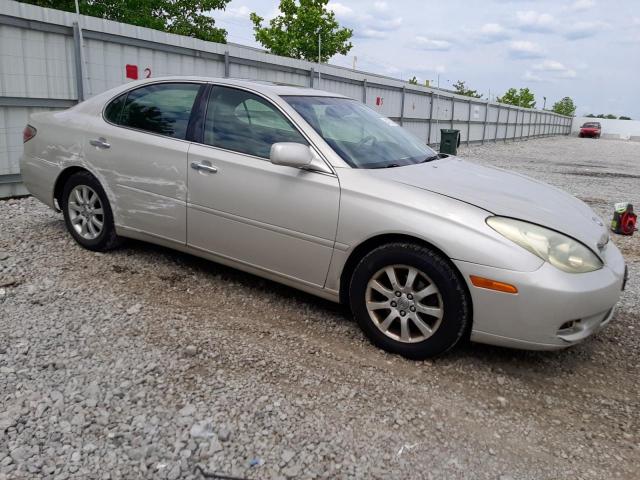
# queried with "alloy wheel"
point(86, 212)
point(404, 303)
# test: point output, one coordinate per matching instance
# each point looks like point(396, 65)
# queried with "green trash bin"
point(449, 141)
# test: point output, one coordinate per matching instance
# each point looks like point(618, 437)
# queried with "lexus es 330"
point(317, 191)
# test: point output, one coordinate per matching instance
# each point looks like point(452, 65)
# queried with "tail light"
point(28, 133)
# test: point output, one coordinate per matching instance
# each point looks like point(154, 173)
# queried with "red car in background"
point(590, 129)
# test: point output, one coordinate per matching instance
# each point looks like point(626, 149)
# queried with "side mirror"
point(291, 154)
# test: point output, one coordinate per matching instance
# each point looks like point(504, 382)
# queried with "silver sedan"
point(319, 192)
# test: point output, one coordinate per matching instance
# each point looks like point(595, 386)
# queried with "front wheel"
point(87, 213)
point(410, 300)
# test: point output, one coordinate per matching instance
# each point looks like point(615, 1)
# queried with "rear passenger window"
point(114, 109)
point(246, 123)
point(162, 108)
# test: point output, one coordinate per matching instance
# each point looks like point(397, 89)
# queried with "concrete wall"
point(621, 129)
point(42, 67)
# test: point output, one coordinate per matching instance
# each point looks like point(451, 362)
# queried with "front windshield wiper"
point(389, 165)
point(431, 158)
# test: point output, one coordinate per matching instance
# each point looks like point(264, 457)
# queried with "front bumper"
point(589, 133)
point(552, 309)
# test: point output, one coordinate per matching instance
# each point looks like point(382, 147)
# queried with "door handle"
point(100, 143)
point(204, 167)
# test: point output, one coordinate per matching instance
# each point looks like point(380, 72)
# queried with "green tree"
point(591, 115)
point(183, 17)
point(461, 89)
point(623, 117)
point(295, 32)
point(610, 116)
point(522, 98)
point(413, 80)
point(564, 107)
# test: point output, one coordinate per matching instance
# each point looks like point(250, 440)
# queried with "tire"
point(434, 271)
point(87, 213)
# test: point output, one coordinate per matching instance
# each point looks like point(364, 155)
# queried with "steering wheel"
point(368, 139)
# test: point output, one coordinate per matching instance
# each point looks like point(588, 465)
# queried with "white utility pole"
point(78, 20)
point(319, 54)
point(81, 90)
point(438, 109)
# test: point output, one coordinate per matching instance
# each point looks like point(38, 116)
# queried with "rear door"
point(280, 219)
point(139, 151)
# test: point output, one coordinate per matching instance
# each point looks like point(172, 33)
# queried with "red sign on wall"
point(131, 71)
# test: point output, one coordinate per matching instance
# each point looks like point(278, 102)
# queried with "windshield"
point(361, 136)
point(591, 125)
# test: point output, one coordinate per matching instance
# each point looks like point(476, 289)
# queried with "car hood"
point(504, 193)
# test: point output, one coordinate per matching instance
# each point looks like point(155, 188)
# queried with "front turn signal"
point(489, 284)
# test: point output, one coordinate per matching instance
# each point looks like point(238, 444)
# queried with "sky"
point(588, 50)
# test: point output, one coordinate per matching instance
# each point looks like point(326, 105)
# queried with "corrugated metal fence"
point(41, 69)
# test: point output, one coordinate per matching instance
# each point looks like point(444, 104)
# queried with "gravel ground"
point(147, 363)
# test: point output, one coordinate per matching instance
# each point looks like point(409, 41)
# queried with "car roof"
point(274, 88)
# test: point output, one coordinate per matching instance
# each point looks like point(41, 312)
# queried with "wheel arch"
point(62, 179)
point(374, 242)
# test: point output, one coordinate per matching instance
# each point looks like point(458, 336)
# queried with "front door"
point(242, 207)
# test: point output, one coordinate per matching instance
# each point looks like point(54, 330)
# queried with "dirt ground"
point(148, 363)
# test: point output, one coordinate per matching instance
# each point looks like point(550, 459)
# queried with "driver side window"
point(246, 123)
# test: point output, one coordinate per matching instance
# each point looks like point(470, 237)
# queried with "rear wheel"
point(87, 213)
point(409, 300)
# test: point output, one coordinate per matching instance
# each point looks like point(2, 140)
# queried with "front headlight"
point(559, 250)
